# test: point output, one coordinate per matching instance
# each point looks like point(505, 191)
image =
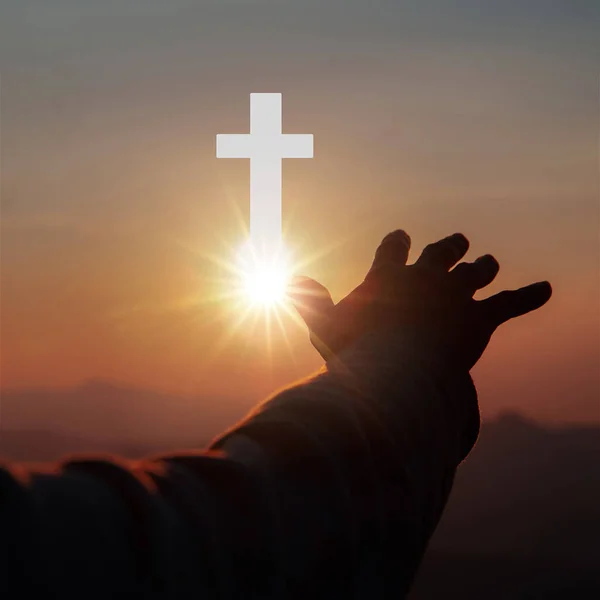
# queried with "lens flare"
point(264, 276)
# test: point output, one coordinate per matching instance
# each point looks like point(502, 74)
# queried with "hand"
point(429, 297)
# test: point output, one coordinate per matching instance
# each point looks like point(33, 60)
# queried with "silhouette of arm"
point(331, 486)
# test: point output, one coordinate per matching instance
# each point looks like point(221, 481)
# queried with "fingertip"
point(399, 236)
point(307, 290)
point(544, 290)
point(461, 240)
point(393, 250)
point(487, 258)
point(299, 281)
point(297, 287)
point(534, 296)
point(545, 284)
point(311, 300)
point(490, 265)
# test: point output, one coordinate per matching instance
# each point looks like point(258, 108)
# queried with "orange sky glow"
point(118, 221)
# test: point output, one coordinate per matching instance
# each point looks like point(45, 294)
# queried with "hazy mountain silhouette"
point(523, 520)
point(113, 414)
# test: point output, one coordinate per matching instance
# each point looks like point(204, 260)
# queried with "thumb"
point(312, 301)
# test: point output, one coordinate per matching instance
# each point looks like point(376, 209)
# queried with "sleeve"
point(331, 488)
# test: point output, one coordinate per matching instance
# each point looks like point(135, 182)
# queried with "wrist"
point(384, 365)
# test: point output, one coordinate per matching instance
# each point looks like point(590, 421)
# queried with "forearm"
point(337, 481)
point(362, 457)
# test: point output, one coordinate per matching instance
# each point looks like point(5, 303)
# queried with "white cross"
point(265, 146)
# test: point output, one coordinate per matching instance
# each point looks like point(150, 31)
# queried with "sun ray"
point(294, 316)
point(268, 338)
point(245, 286)
point(319, 254)
point(230, 332)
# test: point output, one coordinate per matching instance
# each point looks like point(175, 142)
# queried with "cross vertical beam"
point(265, 146)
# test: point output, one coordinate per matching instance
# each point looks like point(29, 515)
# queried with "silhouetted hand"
point(430, 298)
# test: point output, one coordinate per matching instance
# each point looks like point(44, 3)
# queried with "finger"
point(312, 301)
point(443, 255)
point(393, 250)
point(476, 275)
point(514, 303)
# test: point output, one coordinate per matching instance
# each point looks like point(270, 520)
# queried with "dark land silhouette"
point(523, 520)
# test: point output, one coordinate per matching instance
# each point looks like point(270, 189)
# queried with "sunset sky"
point(431, 116)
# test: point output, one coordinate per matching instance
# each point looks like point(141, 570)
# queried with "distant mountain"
point(34, 446)
point(114, 414)
point(528, 490)
point(523, 521)
point(39, 446)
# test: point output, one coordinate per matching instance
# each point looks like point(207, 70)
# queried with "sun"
point(266, 284)
point(252, 293)
point(264, 278)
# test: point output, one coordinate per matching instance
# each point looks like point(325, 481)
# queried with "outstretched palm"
point(429, 296)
